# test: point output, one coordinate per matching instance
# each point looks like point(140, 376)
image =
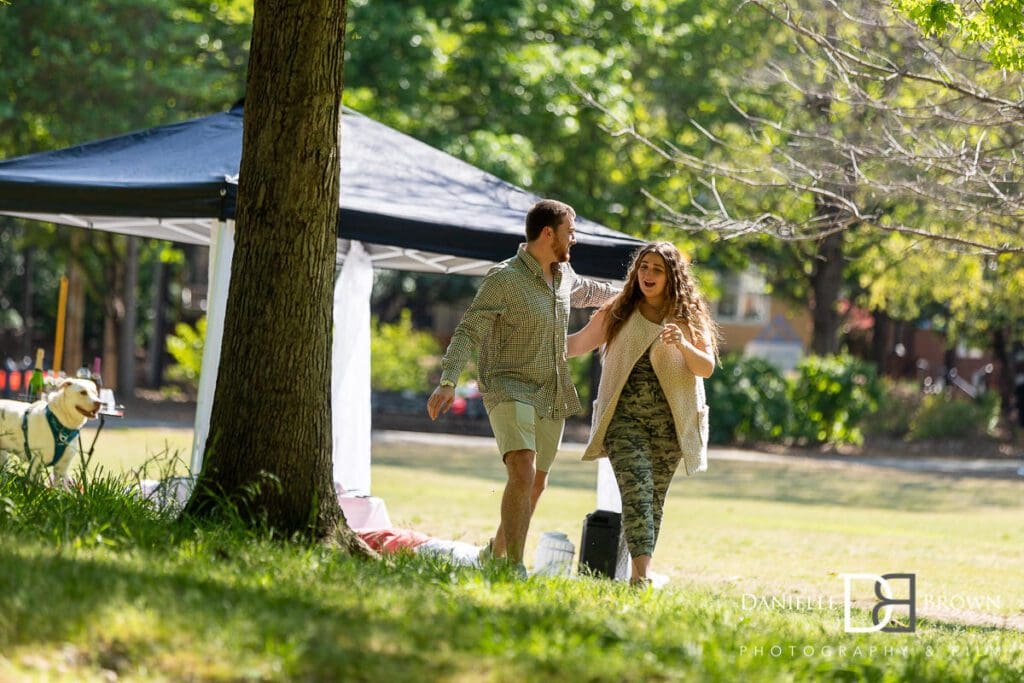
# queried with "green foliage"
point(749, 401)
point(493, 83)
point(824, 402)
point(997, 24)
point(395, 290)
point(70, 72)
point(830, 396)
point(97, 512)
point(965, 295)
point(898, 403)
point(402, 357)
point(579, 368)
point(943, 417)
point(210, 602)
point(186, 346)
point(73, 72)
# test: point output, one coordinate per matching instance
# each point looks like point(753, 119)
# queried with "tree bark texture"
point(269, 449)
point(113, 304)
point(126, 335)
point(74, 328)
point(829, 261)
point(826, 285)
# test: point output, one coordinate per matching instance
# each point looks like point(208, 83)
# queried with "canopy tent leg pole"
point(222, 247)
point(350, 373)
point(607, 490)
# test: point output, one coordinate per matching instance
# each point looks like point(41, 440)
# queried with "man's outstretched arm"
point(587, 293)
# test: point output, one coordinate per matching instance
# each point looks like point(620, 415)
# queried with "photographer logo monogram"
point(885, 592)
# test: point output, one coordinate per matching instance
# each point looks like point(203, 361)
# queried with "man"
point(518, 320)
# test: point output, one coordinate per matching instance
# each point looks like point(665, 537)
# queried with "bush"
point(579, 368)
point(899, 402)
point(186, 346)
point(401, 358)
point(942, 417)
point(748, 401)
point(830, 396)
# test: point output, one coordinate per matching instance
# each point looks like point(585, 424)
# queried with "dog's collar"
point(62, 436)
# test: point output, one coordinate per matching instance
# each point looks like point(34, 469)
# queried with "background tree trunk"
point(157, 340)
point(113, 304)
point(826, 285)
point(829, 262)
point(74, 330)
point(26, 307)
point(881, 342)
point(126, 335)
point(1002, 350)
point(272, 411)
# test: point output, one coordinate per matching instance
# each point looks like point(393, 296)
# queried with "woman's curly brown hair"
point(682, 298)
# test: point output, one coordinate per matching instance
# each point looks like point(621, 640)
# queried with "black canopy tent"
point(405, 204)
point(411, 204)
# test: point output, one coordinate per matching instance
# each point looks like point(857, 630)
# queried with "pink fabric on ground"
point(392, 540)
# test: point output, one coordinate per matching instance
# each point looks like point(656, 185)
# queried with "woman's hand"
point(672, 334)
point(698, 357)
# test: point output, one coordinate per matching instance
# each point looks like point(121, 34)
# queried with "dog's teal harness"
point(62, 436)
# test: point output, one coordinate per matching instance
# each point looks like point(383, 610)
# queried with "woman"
point(660, 342)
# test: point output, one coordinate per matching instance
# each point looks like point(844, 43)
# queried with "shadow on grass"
point(366, 633)
point(796, 484)
point(87, 591)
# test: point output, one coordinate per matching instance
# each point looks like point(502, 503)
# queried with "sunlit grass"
point(119, 449)
point(97, 583)
point(751, 527)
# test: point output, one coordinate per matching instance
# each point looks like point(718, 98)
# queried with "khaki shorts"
point(518, 427)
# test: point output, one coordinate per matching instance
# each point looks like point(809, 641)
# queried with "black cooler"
point(599, 547)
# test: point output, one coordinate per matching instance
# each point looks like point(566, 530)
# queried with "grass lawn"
point(123, 449)
point(756, 529)
point(96, 585)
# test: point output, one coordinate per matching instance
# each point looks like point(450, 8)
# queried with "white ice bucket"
point(555, 553)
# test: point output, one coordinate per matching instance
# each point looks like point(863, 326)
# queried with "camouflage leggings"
point(644, 452)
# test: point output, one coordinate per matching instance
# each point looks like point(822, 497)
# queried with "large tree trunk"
point(271, 419)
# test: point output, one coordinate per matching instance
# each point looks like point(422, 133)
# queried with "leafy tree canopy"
point(997, 24)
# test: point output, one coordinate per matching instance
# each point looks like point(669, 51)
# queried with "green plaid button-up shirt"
point(519, 323)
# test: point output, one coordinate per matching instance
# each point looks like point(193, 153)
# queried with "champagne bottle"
point(35, 385)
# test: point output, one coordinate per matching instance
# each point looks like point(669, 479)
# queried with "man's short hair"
point(546, 213)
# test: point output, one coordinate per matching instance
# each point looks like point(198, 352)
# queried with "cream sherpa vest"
point(683, 390)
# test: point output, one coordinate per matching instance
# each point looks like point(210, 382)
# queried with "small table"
point(109, 409)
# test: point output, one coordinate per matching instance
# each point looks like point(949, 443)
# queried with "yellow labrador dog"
point(45, 433)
